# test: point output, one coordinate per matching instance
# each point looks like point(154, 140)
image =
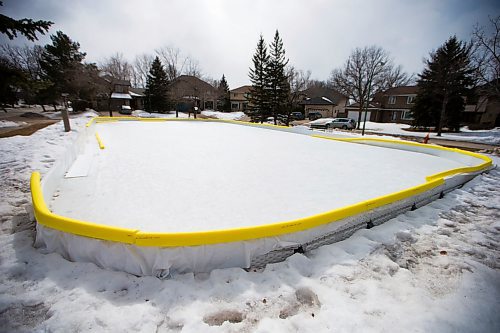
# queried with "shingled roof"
point(317, 101)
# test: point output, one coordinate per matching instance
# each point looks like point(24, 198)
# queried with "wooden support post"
point(65, 117)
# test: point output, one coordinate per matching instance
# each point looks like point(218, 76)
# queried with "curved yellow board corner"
point(129, 236)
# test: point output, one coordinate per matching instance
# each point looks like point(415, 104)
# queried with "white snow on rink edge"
point(224, 115)
point(434, 269)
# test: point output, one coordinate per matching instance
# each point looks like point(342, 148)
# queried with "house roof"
point(191, 81)
point(137, 92)
point(108, 78)
point(330, 93)
point(120, 96)
point(402, 90)
point(373, 105)
point(242, 90)
point(317, 101)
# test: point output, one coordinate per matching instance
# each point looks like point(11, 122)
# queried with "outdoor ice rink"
point(180, 176)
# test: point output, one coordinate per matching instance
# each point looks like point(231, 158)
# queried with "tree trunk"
point(359, 114)
point(43, 108)
point(442, 116)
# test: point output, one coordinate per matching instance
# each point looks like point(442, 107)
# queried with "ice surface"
point(193, 176)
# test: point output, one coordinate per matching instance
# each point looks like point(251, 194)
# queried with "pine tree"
point(259, 95)
point(223, 101)
point(156, 99)
point(279, 88)
point(442, 85)
point(61, 64)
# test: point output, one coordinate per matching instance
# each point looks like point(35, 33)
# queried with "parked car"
point(344, 123)
point(126, 109)
point(314, 115)
point(296, 116)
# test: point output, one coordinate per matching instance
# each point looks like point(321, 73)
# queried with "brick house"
point(191, 90)
point(327, 101)
point(390, 106)
point(114, 93)
point(239, 98)
point(484, 110)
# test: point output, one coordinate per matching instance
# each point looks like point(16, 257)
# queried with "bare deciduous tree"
point(192, 67)
point(141, 67)
point(171, 58)
point(25, 58)
point(486, 56)
point(177, 64)
point(396, 77)
point(117, 67)
point(298, 80)
point(367, 71)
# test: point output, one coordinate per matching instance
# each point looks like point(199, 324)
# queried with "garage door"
point(354, 115)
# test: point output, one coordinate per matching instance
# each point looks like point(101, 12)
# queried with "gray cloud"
point(222, 34)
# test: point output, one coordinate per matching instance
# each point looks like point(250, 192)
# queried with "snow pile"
point(8, 123)
point(144, 114)
point(481, 136)
point(434, 269)
point(321, 121)
point(224, 115)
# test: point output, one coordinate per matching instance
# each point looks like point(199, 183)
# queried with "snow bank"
point(481, 136)
point(144, 114)
point(8, 123)
point(224, 115)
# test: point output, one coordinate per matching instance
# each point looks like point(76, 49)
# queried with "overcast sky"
point(222, 34)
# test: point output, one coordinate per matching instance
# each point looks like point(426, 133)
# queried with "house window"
point(392, 99)
point(410, 99)
point(394, 116)
point(234, 106)
point(407, 115)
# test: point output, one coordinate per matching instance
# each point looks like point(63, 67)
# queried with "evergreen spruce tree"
point(156, 99)
point(223, 101)
point(61, 64)
point(259, 95)
point(279, 88)
point(442, 85)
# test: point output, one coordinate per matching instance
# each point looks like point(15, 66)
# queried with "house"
point(352, 111)
point(137, 94)
point(327, 101)
point(114, 93)
point(239, 98)
point(187, 89)
point(319, 104)
point(390, 106)
point(484, 110)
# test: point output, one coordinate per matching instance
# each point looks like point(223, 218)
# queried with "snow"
point(145, 114)
point(182, 162)
point(8, 123)
point(224, 115)
point(435, 269)
point(121, 96)
point(481, 136)
point(326, 99)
